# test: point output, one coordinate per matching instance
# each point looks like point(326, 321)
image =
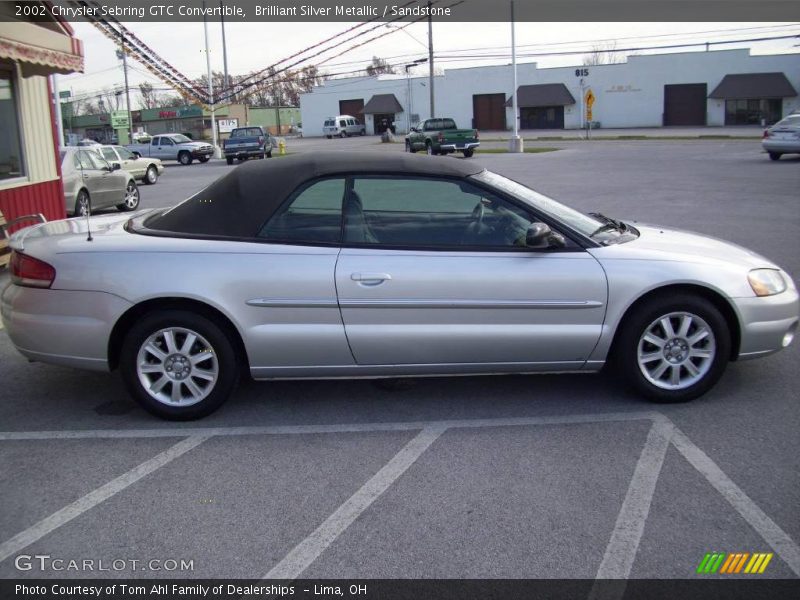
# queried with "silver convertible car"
point(363, 265)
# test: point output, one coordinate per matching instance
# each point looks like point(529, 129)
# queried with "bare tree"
point(603, 54)
point(148, 97)
point(379, 66)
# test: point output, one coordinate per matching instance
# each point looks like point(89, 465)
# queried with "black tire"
point(151, 175)
point(269, 154)
point(262, 156)
point(625, 358)
point(204, 159)
point(229, 160)
point(363, 132)
point(83, 204)
point(185, 158)
point(409, 148)
point(132, 191)
point(221, 350)
point(343, 134)
point(775, 155)
point(330, 137)
point(468, 153)
point(429, 149)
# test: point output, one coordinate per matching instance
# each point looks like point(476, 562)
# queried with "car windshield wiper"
point(609, 224)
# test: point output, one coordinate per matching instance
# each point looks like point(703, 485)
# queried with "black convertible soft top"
point(239, 203)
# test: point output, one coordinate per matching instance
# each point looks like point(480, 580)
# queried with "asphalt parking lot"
point(514, 477)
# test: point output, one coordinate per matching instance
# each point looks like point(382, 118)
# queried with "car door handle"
point(370, 278)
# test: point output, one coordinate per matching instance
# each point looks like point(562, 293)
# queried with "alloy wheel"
point(676, 350)
point(131, 196)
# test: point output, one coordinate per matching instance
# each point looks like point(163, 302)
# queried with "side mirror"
point(540, 235)
point(414, 130)
point(115, 167)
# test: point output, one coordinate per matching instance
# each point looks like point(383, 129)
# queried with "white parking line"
point(621, 550)
point(92, 499)
point(776, 537)
point(307, 551)
point(315, 429)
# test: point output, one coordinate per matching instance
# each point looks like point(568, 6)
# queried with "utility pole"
point(516, 140)
point(224, 48)
point(127, 89)
point(210, 88)
point(430, 56)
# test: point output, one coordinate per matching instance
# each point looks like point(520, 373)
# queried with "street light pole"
point(127, 89)
point(516, 140)
point(210, 87)
point(224, 47)
point(430, 56)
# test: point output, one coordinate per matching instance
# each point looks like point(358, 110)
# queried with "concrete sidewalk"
point(739, 132)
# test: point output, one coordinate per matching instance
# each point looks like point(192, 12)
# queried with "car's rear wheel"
point(343, 134)
point(429, 149)
point(363, 132)
point(408, 147)
point(468, 153)
point(329, 136)
point(269, 154)
point(775, 155)
point(673, 349)
point(151, 175)
point(178, 365)
point(185, 158)
point(131, 198)
point(83, 204)
point(229, 160)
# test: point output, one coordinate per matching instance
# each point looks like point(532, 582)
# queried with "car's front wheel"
point(673, 349)
point(408, 147)
point(131, 201)
point(468, 153)
point(204, 159)
point(151, 175)
point(178, 365)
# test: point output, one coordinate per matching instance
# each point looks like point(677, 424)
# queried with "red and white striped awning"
point(40, 50)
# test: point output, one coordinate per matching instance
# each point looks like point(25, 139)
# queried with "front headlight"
point(766, 282)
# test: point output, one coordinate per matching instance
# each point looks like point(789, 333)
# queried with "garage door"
point(685, 104)
point(489, 112)
point(354, 108)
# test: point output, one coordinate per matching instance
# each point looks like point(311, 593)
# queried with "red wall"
point(46, 198)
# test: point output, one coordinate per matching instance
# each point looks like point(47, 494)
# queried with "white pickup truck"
point(174, 146)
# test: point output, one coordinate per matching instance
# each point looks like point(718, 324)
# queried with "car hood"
point(660, 243)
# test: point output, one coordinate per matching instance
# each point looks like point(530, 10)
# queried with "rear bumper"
point(459, 147)
point(766, 323)
point(785, 146)
point(60, 327)
point(245, 152)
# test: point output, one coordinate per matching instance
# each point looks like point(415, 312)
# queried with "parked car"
point(88, 142)
point(174, 146)
point(783, 137)
point(141, 137)
point(144, 169)
point(343, 126)
point(247, 142)
point(442, 136)
point(91, 182)
point(385, 265)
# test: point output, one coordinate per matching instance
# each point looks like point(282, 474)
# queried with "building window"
point(751, 111)
point(11, 164)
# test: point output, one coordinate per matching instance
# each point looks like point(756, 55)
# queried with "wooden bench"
point(5, 251)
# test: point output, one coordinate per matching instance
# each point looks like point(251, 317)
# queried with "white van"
point(343, 126)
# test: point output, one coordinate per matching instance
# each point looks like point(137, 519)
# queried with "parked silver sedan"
point(144, 169)
point(783, 137)
point(91, 182)
point(372, 265)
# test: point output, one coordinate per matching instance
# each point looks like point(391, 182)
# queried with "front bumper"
point(766, 322)
point(459, 147)
point(61, 327)
point(202, 152)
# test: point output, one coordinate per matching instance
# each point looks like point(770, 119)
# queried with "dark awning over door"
point(382, 104)
point(754, 85)
point(544, 94)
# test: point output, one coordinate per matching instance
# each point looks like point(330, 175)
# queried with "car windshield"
point(180, 139)
point(584, 224)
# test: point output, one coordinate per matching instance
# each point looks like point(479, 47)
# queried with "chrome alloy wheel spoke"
point(177, 366)
point(676, 350)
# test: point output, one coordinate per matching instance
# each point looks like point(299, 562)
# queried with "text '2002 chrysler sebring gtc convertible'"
point(362, 265)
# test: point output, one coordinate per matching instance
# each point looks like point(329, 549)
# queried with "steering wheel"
point(477, 215)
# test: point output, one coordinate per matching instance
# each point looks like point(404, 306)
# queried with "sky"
point(252, 46)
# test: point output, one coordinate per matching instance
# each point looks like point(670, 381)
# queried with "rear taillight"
point(476, 134)
point(441, 137)
point(261, 139)
point(766, 133)
point(31, 272)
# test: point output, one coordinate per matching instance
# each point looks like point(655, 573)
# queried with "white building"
point(726, 87)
